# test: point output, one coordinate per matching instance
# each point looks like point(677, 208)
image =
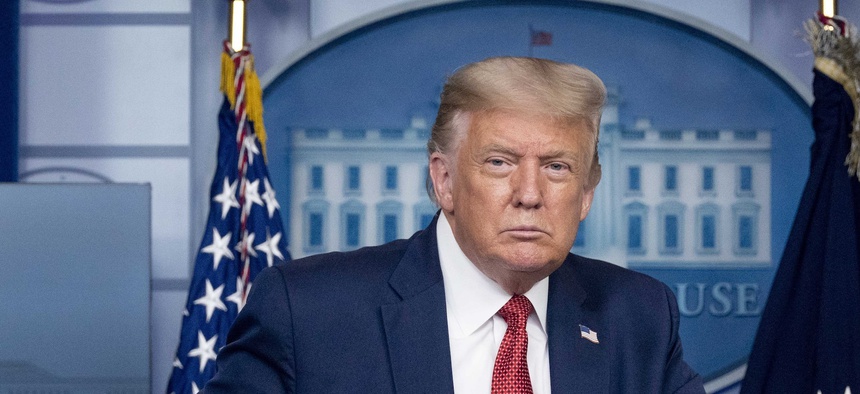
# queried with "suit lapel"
point(416, 323)
point(416, 327)
point(576, 364)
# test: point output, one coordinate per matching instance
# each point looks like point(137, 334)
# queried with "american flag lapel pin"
point(586, 333)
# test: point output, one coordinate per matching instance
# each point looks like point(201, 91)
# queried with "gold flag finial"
point(828, 8)
point(236, 33)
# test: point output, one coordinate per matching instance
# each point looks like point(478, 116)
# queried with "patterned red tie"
point(511, 371)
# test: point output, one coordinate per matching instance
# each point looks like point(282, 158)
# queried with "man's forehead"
point(573, 124)
point(498, 123)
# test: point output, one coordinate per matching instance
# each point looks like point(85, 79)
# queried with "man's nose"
point(527, 187)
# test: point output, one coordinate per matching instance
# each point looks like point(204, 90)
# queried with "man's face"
point(514, 192)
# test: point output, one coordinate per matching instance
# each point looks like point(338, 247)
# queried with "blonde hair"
point(567, 92)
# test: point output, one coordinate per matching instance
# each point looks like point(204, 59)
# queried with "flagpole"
point(236, 26)
point(828, 8)
point(531, 43)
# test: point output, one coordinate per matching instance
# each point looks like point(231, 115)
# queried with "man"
point(487, 297)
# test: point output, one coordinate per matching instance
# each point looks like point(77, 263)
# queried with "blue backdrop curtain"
point(9, 17)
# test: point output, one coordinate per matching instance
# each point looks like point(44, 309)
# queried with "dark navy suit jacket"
point(374, 321)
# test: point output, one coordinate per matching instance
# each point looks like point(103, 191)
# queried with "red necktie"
point(511, 371)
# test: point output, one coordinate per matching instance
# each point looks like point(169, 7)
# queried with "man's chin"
point(532, 264)
point(519, 277)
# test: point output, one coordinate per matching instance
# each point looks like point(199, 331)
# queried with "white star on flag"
point(251, 146)
point(227, 198)
point(177, 363)
point(252, 195)
point(269, 196)
point(212, 300)
point(205, 350)
point(248, 239)
point(238, 297)
point(194, 388)
point(218, 248)
point(847, 390)
point(270, 247)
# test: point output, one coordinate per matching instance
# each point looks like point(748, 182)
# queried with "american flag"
point(807, 339)
point(244, 233)
point(586, 333)
point(540, 38)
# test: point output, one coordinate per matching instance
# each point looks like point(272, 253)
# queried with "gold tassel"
point(853, 158)
point(253, 94)
point(838, 57)
point(228, 71)
point(254, 103)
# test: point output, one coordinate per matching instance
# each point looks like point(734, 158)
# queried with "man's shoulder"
point(332, 280)
point(365, 261)
point(608, 273)
point(607, 281)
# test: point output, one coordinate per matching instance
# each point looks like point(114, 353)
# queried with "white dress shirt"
point(475, 331)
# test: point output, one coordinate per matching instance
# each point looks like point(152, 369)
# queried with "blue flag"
point(243, 235)
point(809, 336)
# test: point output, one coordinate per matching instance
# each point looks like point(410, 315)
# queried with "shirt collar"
point(471, 297)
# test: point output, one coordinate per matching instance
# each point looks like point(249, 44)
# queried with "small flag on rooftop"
point(540, 38)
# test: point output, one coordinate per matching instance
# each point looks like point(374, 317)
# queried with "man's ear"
point(440, 172)
point(587, 198)
point(593, 178)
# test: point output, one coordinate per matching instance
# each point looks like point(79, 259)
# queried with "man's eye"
point(496, 162)
point(557, 166)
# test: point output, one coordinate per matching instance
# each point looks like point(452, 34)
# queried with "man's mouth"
point(525, 232)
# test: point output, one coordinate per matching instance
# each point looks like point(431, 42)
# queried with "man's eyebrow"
point(561, 154)
point(498, 148)
point(495, 148)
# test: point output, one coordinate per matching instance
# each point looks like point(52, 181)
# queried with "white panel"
point(105, 85)
point(167, 307)
point(731, 15)
point(328, 14)
point(170, 201)
point(105, 6)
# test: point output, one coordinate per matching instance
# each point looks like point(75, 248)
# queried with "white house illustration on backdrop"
point(670, 198)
